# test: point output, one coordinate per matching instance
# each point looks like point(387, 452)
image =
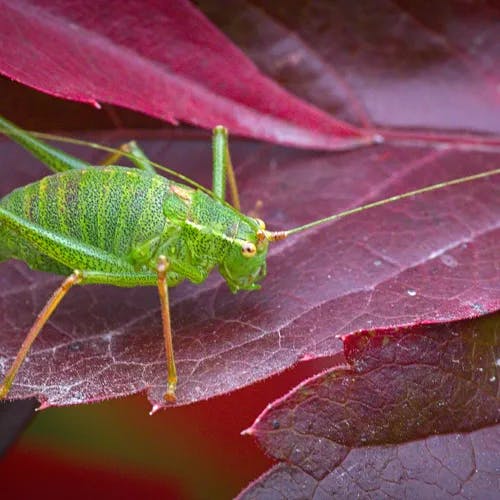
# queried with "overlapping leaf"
point(389, 64)
point(162, 58)
point(369, 429)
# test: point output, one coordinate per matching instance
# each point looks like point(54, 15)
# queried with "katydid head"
point(245, 264)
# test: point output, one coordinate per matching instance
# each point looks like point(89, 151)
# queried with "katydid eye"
point(248, 249)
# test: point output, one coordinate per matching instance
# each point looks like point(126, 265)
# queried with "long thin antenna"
point(279, 235)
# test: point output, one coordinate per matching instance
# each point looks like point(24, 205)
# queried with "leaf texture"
point(429, 259)
point(413, 414)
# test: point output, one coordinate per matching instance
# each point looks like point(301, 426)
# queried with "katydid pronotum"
point(132, 227)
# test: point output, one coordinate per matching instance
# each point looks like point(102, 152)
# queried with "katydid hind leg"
point(39, 323)
point(162, 270)
point(54, 158)
point(223, 171)
point(134, 152)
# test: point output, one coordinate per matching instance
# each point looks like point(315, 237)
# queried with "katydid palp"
point(132, 227)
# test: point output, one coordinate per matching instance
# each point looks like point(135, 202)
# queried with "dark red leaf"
point(433, 258)
point(162, 58)
point(389, 63)
point(437, 467)
point(371, 427)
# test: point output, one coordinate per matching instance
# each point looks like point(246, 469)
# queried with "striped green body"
point(114, 222)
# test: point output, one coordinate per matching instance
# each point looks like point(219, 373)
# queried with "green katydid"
point(132, 227)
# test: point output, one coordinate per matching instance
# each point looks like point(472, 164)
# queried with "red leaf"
point(390, 64)
point(162, 58)
point(430, 259)
point(370, 427)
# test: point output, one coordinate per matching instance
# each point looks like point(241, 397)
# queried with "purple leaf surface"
point(161, 58)
point(384, 64)
point(377, 426)
point(461, 466)
point(430, 259)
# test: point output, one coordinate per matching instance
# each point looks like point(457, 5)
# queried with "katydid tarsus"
point(131, 227)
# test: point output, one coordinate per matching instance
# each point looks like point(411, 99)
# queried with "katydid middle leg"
point(161, 270)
